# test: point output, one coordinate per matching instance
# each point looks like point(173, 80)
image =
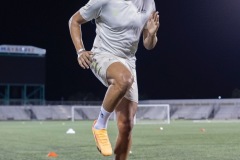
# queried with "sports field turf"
point(181, 140)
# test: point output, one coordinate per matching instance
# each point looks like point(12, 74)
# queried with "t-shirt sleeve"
point(154, 6)
point(153, 9)
point(91, 10)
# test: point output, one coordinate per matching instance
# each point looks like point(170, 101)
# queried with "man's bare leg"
point(120, 80)
point(125, 112)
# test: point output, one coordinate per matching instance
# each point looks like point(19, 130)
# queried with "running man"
point(119, 25)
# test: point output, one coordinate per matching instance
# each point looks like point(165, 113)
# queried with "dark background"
point(197, 55)
point(22, 70)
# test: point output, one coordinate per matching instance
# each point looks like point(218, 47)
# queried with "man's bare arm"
point(150, 34)
point(84, 57)
point(75, 30)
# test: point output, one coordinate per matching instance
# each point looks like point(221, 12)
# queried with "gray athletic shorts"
point(99, 67)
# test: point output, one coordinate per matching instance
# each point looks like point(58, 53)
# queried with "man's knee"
point(125, 126)
point(125, 81)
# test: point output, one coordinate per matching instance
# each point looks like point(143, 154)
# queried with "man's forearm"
point(76, 34)
point(150, 41)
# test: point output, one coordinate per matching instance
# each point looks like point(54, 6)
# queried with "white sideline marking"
point(216, 121)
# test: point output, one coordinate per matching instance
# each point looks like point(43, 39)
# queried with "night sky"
point(197, 56)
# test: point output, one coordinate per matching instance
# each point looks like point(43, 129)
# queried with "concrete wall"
point(179, 109)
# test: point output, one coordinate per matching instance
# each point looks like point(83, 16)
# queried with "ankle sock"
point(102, 120)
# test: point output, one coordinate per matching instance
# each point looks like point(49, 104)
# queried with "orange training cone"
point(52, 154)
point(202, 129)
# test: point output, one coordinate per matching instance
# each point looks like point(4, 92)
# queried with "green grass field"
point(181, 140)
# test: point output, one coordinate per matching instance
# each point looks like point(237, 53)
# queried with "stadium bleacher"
point(179, 109)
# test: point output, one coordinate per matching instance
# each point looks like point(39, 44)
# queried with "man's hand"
point(85, 59)
point(153, 23)
point(150, 33)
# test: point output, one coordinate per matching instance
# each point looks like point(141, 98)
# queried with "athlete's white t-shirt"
point(119, 24)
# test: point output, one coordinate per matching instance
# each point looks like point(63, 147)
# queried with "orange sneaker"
point(102, 141)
